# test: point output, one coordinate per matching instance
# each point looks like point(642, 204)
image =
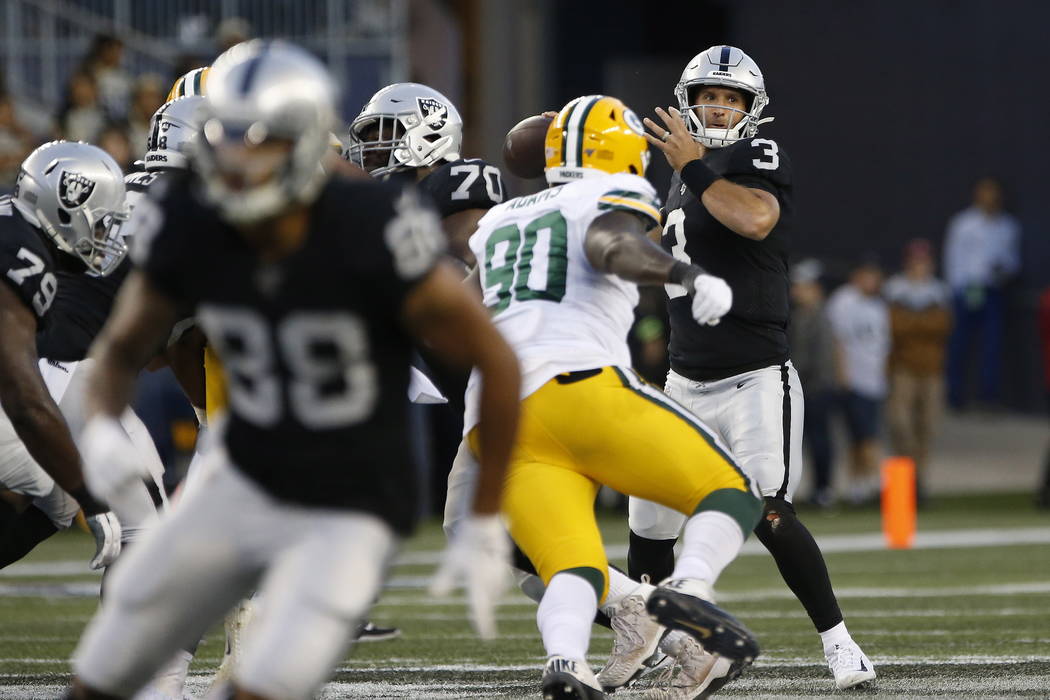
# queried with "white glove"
point(479, 553)
point(712, 298)
point(106, 529)
point(111, 460)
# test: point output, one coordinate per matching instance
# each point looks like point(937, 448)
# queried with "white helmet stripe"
point(574, 132)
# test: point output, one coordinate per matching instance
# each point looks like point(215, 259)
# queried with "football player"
point(313, 314)
point(558, 271)
point(731, 206)
point(412, 130)
point(56, 228)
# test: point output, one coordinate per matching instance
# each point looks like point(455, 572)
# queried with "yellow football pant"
point(607, 428)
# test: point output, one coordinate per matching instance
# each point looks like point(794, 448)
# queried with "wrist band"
point(682, 272)
point(698, 176)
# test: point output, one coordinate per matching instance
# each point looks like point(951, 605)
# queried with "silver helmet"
point(264, 96)
point(405, 125)
point(729, 67)
point(171, 130)
point(74, 192)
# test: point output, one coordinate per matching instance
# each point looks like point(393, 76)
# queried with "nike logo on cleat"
point(562, 666)
point(862, 666)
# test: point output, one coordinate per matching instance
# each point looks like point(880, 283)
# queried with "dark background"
point(889, 110)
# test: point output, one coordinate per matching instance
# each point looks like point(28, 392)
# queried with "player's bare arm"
point(617, 243)
point(441, 311)
point(747, 211)
point(139, 324)
point(29, 405)
point(458, 228)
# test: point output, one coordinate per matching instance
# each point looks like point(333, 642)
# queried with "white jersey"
point(556, 311)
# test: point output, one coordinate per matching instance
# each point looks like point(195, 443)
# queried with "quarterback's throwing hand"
point(712, 298)
point(111, 461)
point(479, 553)
point(673, 139)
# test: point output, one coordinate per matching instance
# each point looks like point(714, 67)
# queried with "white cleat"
point(637, 637)
point(695, 673)
point(170, 681)
point(569, 679)
point(849, 665)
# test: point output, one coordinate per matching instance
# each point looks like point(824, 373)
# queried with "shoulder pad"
point(759, 157)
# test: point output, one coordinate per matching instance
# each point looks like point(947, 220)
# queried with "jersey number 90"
point(331, 382)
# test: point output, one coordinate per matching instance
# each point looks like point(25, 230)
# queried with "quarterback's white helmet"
point(74, 193)
point(723, 66)
point(263, 95)
point(405, 125)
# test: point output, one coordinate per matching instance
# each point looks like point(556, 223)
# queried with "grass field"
point(965, 613)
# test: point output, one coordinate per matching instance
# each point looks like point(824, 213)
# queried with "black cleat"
point(717, 631)
point(568, 679)
point(370, 633)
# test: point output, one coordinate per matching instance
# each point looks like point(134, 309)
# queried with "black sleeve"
point(26, 267)
point(762, 164)
point(463, 185)
point(407, 243)
point(161, 235)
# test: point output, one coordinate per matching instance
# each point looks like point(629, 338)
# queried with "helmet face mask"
point(725, 67)
point(404, 126)
point(267, 120)
point(74, 193)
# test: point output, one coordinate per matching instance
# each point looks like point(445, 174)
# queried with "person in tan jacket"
point(920, 323)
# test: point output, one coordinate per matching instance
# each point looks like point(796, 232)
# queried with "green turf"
point(937, 622)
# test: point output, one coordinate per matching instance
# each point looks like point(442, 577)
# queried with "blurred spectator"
point(860, 322)
point(813, 354)
point(146, 98)
point(102, 63)
point(81, 118)
point(648, 338)
point(15, 142)
point(981, 254)
point(1043, 495)
point(232, 31)
point(920, 321)
point(114, 141)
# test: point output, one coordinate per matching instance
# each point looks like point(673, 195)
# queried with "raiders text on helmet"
point(257, 91)
point(415, 126)
point(729, 67)
point(74, 192)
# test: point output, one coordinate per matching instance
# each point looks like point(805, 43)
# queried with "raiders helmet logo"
point(74, 189)
point(435, 113)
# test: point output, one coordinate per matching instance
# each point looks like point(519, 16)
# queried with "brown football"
point(523, 147)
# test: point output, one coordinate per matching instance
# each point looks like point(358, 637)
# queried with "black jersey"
point(27, 264)
point(81, 308)
point(463, 184)
point(754, 332)
point(312, 345)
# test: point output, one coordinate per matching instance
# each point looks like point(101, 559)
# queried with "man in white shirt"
point(860, 322)
point(981, 253)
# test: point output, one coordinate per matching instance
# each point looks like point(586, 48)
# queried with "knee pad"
point(653, 521)
point(778, 516)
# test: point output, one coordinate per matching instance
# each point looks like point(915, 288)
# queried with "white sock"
point(710, 540)
point(170, 680)
point(836, 635)
point(565, 616)
point(621, 586)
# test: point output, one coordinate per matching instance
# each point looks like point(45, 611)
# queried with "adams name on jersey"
point(754, 332)
point(313, 345)
point(556, 311)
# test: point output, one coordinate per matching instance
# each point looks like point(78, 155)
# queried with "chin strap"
point(760, 122)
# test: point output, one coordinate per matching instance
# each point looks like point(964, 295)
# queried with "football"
point(523, 147)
